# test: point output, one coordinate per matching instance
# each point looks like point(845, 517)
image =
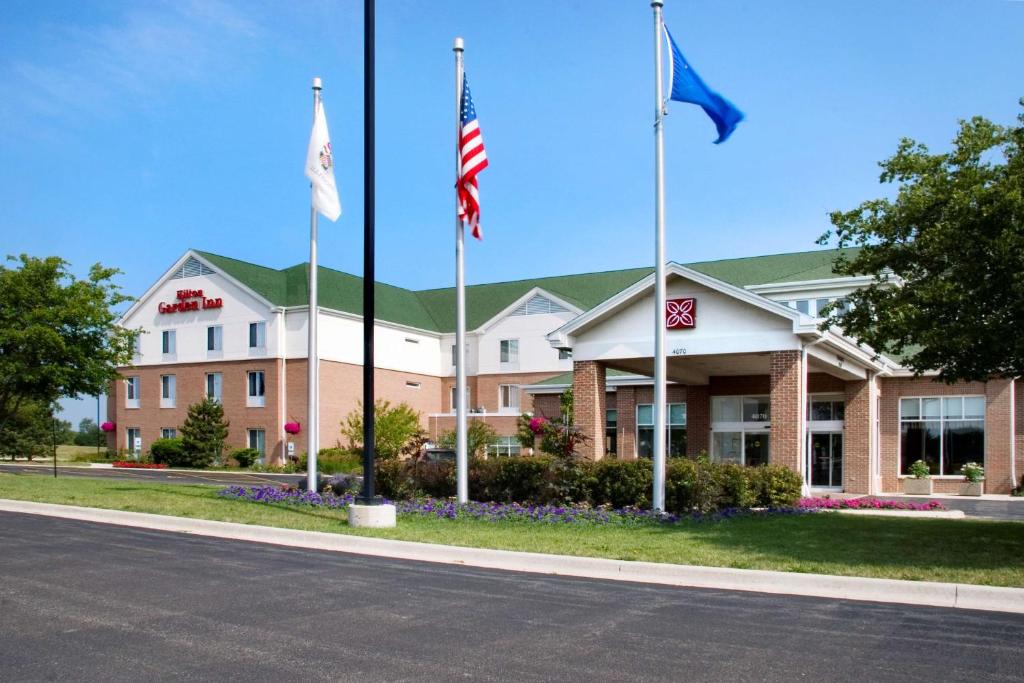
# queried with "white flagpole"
point(461, 457)
point(313, 358)
point(658, 498)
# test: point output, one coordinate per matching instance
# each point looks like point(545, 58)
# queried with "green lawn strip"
point(961, 551)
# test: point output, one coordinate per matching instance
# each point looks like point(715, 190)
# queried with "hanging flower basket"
point(108, 427)
point(291, 427)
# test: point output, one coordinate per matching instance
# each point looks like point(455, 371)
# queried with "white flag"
point(320, 168)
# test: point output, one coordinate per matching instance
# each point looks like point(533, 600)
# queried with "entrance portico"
point(751, 381)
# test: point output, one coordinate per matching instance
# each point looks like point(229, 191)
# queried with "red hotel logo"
point(190, 300)
point(681, 314)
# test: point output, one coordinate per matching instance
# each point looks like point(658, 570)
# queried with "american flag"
point(473, 159)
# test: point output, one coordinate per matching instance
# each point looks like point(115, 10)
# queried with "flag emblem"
point(472, 160)
point(326, 160)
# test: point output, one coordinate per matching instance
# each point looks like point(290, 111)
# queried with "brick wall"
point(1019, 446)
point(698, 420)
point(785, 407)
point(997, 429)
point(190, 387)
point(857, 438)
point(822, 383)
point(589, 386)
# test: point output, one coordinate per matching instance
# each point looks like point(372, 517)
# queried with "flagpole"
point(369, 271)
point(313, 357)
point(461, 456)
point(658, 498)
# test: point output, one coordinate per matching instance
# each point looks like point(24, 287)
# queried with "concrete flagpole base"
point(372, 516)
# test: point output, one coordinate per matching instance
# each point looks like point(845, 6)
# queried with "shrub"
point(396, 430)
point(621, 483)
point(393, 479)
point(774, 485)
point(170, 452)
point(246, 457)
point(435, 479)
point(973, 472)
point(334, 461)
point(919, 470)
point(479, 435)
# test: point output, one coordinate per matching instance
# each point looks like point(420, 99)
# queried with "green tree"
point(28, 433)
point(57, 333)
point(396, 430)
point(479, 435)
point(89, 433)
point(65, 434)
point(947, 255)
point(204, 432)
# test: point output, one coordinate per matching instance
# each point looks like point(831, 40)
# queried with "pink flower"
point(537, 425)
point(108, 426)
point(291, 427)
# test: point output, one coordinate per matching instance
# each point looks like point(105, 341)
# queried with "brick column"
point(785, 406)
point(857, 438)
point(698, 420)
point(1019, 446)
point(588, 387)
point(997, 436)
point(625, 404)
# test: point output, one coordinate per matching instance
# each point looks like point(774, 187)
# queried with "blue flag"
point(688, 87)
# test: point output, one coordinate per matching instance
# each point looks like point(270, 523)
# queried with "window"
point(508, 397)
point(413, 385)
point(825, 410)
point(168, 391)
point(258, 441)
point(509, 350)
point(168, 433)
point(739, 429)
point(819, 306)
point(803, 305)
point(611, 431)
point(215, 338)
point(137, 346)
point(214, 385)
point(258, 335)
point(168, 342)
point(455, 359)
point(257, 389)
point(134, 440)
point(412, 340)
point(504, 447)
point(564, 354)
point(675, 429)
point(451, 398)
point(131, 392)
point(946, 432)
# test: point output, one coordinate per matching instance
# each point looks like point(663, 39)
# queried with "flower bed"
point(867, 504)
point(496, 512)
point(139, 465)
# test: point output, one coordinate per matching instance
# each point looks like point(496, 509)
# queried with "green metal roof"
point(566, 377)
point(434, 309)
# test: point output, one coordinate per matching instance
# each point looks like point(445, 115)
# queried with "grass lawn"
point(963, 551)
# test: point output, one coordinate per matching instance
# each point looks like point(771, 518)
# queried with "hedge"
point(690, 485)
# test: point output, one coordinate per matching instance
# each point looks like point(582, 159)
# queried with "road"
point(92, 602)
point(156, 476)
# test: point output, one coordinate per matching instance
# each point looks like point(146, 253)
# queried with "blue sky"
point(133, 131)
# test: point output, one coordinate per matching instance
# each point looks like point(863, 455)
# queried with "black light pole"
point(99, 432)
point(53, 428)
point(369, 277)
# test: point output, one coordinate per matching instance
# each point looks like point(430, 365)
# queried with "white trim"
point(855, 281)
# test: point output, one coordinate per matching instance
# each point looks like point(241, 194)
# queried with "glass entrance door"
point(827, 460)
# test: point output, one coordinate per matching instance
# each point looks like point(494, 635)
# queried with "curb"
point(924, 593)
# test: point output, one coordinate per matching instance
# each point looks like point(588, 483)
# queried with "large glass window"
point(168, 342)
point(825, 410)
point(257, 389)
point(257, 335)
point(509, 350)
point(214, 385)
point(739, 429)
point(505, 446)
point(508, 397)
point(675, 429)
point(258, 441)
point(946, 432)
point(611, 432)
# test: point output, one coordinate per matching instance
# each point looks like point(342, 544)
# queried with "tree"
point(57, 333)
point(28, 433)
point(396, 431)
point(204, 432)
point(479, 435)
point(947, 255)
point(89, 433)
point(65, 434)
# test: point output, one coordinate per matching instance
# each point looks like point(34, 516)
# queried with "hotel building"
point(752, 378)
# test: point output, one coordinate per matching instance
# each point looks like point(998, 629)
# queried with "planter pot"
point(972, 488)
point(917, 487)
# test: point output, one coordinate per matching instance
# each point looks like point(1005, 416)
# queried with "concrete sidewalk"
point(964, 596)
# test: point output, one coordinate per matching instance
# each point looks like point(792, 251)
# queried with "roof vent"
point(191, 268)
point(538, 304)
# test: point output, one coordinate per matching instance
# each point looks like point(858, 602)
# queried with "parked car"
point(437, 455)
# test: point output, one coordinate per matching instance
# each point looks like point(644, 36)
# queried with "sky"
point(132, 131)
